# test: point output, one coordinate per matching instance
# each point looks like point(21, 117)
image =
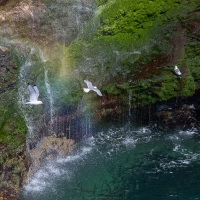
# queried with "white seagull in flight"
point(177, 71)
point(34, 94)
point(91, 87)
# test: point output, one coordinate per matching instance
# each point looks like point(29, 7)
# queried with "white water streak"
point(47, 84)
point(23, 93)
point(129, 104)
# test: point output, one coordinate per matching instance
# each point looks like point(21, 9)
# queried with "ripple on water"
point(138, 151)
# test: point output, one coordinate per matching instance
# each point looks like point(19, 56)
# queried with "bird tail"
point(86, 90)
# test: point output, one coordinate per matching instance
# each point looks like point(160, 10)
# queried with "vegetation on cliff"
point(131, 47)
point(14, 160)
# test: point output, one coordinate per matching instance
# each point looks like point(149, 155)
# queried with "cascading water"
point(49, 91)
point(30, 74)
point(47, 84)
point(129, 105)
point(23, 93)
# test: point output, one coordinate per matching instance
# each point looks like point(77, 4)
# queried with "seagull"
point(34, 94)
point(177, 71)
point(91, 87)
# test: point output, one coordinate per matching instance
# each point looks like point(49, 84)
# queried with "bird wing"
point(98, 91)
point(33, 94)
point(89, 84)
point(86, 90)
point(36, 90)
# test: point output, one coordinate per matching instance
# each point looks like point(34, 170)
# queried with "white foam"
point(188, 132)
point(76, 157)
point(43, 177)
point(144, 130)
point(54, 170)
point(129, 142)
point(68, 159)
point(41, 174)
point(36, 184)
point(177, 147)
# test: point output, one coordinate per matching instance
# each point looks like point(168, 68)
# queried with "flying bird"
point(177, 71)
point(91, 87)
point(34, 94)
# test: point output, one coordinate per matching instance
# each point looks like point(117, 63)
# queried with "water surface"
point(123, 163)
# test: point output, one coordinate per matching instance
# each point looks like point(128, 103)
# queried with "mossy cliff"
point(14, 160)
point(126, 48)
point(130, 48)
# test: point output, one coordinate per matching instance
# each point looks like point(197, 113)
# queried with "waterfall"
point(78, 9)
point(47, 84)
point(88, 126)
point(149, 110)
point(23, 97)
point(34, 116)
point(129, 104)
point(23, 91)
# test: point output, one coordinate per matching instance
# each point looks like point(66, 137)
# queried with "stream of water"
point(123, 163)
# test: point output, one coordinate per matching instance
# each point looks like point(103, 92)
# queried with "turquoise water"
point(124, 163)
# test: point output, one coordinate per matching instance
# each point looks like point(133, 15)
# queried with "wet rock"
point(184, 116)
point(3, 2)
point(14, 168)
point(8, 194)
point(44, 22)
point(164, 107)
point(14, 160)
point(48, 148)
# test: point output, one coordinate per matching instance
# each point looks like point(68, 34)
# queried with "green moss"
point(192, 60)
point(188, 86)
point(13, 130)
point(124, 37)
point(111, 89)
point(168, 88)
point(1, 159)
point(101, 2)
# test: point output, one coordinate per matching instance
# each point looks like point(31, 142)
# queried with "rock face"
point(48, 148)
point(8, 70)
point(14, 159)
point(179, 112)
point(44, 22)
point(13, 168)
point(186, 117)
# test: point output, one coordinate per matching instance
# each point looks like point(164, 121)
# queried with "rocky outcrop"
point(14, 165)
point(179, 112)
point(48, 148)
point(42, 22)
point(14, 159)
point(185, 117)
